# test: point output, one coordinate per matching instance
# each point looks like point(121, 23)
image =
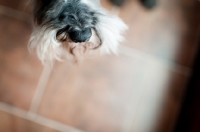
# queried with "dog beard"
point(63, 26)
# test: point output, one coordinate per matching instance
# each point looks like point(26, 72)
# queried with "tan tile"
point(92, 95)
point(108, 93)
point(20, 5)
point(19, 70)
point(169, 31)
point(12, 123)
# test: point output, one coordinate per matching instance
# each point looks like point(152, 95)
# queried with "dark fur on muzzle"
point(73, 19)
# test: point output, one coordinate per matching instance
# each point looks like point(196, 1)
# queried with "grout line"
point(44, 78)
point(15, 14)
point(39, 119)
point(131, 52)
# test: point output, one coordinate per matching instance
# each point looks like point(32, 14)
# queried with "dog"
point(65, 28)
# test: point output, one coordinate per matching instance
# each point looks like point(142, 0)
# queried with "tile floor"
point(140, 90)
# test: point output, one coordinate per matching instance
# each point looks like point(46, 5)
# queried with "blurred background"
point(148, 87)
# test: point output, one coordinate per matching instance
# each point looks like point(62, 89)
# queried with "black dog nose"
point(79, 36)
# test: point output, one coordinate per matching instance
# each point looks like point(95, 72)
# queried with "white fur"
point(47, 47)
point(111, 28)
